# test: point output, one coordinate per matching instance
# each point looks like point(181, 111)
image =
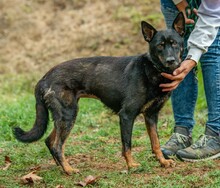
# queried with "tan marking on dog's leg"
point(155, 145)
point(66, 166)
point(129, 160)
point(59, 144)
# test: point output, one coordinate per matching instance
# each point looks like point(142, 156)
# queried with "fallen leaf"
point(81, 183)
point(89, 180)
point(30, 178)
point(7, 159)
point(7, 163)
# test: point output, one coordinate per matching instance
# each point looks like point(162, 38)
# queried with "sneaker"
point(207, 147)
point(180, 139)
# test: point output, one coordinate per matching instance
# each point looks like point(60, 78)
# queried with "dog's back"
point(106, 78)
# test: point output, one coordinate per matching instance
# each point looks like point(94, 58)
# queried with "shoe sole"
point(197, 160)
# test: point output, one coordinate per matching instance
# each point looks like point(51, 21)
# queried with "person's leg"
point(169, 11)
point(183, 98)
point(210, 63)
point(208, 145)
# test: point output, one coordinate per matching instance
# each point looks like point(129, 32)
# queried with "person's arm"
point(200, 39)
point(205, 30)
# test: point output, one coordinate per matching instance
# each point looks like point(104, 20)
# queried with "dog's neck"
point(159, 69)
point(155, 71)
point(156, 68)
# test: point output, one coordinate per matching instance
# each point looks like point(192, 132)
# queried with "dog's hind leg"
point(126, 125)
point(50, 142)
point(64, 109)
point(63, 129)
point(56, 144)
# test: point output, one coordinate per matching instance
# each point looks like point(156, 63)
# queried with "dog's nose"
point(170, 60)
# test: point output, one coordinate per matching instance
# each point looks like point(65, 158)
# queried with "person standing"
point(202, 46)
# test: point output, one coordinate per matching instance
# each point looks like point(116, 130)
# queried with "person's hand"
point(187, 20)
point(178, 75)
point(182, 8)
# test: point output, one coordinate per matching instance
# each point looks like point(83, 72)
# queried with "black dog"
point(127, 85)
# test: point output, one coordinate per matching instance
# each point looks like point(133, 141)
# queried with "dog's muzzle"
point(171, 64)
point(170, 60)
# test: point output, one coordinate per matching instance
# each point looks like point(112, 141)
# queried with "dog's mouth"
point(171, 67)
point(167, 68)
point(168, 64)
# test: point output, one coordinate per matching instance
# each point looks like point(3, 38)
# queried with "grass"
point(93, 146)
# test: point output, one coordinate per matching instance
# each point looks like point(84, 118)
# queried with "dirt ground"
point(37, 34)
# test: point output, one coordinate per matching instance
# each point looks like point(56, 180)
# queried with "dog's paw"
point(71, 170)
point(168, 163)
point(133, 165)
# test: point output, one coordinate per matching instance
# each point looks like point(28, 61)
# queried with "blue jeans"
point(184, 97)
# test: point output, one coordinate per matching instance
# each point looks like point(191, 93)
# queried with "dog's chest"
point(147, 105)
point(156, 102)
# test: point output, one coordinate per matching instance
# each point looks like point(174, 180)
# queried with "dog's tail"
point(40, 125)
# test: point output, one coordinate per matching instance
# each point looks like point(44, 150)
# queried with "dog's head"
point(166, 46)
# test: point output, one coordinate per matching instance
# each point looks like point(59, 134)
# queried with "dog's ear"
point(179, 24)
point(148, 31)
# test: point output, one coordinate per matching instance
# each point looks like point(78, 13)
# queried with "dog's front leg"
point(151, 124)
point(126, 126)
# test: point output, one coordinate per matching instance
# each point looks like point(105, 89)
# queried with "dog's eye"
point(173, 42)
point(160, 46)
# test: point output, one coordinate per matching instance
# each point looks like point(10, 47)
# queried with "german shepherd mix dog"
point(127, 85)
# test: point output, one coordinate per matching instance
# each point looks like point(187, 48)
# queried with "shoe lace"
point(178, 138)
point(201, 142)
